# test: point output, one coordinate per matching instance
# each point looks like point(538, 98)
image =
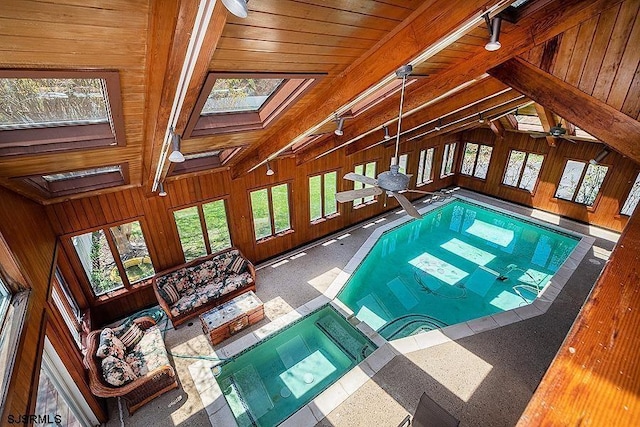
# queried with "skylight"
point(201, 155)
point(237, 95)
point(80, 173)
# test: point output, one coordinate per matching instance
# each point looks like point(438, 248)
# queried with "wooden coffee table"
point(221, 322)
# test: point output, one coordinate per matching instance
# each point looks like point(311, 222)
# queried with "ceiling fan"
point(391, 182)
point(556, 131)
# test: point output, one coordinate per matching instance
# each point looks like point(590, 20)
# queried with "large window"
point(587, 181)
point(270, 210)
point(197, 241)
point(522, 170)
point(425, 167)
point(448, 160)
point(322, 195)
point(368, 169)
point(475, 161)
point(632, 199)
point(114, 258)
point(47, 111)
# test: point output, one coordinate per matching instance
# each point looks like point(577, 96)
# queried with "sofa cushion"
point(116, 371)
point(110, 345)
point(149, 354)
point(179, 279)
point(168, 292)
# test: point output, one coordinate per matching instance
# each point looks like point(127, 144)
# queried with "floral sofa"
point(193, 288)
point(129, 361)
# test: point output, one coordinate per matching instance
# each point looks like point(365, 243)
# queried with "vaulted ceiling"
point(577, 60)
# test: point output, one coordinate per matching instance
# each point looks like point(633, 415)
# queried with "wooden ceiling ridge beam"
point(547, 120)
point(431, 24)
point(602, 121)
point(166, 70)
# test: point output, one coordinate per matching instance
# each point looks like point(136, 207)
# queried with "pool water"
point(459, 262)
point(270, 381)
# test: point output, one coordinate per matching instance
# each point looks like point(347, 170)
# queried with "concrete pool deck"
point(482, 379)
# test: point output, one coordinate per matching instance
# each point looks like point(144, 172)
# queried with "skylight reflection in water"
point(458, 263)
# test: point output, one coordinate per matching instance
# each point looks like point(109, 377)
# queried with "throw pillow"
point(110, 345)
point(116, 371)
point(238, 264)
point(131, 336)
point(169, 293)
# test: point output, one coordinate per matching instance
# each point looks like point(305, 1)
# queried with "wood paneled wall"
point(613, 193)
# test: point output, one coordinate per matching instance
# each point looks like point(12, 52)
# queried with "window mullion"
point(271, 216)
point(116, 258)
point(577, 189)
point(522, 169)
point(203, 229)
point(322, 205)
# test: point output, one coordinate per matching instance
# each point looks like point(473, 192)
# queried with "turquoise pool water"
point(459, 262)
point(270, 381)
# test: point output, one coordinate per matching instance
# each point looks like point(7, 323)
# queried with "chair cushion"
point(110, 345)
point(116, 371)
point(149, 354)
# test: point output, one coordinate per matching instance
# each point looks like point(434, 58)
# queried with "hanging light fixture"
point(176, 156)
point(269, 170)
point(386, 133)
point(480, 118)
point(161, 190)
point(237, 7)
point(439, 125)
point(494, 32)
point(600, 157)
point(340, 122)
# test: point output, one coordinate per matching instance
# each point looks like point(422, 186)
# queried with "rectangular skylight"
point(202, 155)
point(235, 95)
point(80, 173)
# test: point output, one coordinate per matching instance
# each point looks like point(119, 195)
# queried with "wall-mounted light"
point(176, 156)
point(600, 157)
point(269, 170)
point(438, 126)
point(161, 191)
point(386, 133)
point(480, 118)
point(237, 7)
point(340, 122)
point(494, 33)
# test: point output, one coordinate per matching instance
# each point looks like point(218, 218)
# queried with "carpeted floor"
point(485, 379)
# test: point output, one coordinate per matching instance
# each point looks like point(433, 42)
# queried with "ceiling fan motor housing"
point(393, 180)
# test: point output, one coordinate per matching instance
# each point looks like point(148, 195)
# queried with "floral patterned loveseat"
point(129, 361)
point(195, 287)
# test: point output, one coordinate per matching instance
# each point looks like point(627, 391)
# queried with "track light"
point(439, 125)
point(237, 7)
point(494, 32)
point(386, 133)
point(339, 130)
point(269, 170)
point(176, 156)
point(161, 190)
point(480, 118)
point(600, 157)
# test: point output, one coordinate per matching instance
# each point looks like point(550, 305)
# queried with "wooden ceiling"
point(356, 45)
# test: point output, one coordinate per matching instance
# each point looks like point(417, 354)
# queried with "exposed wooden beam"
point(512, 121)
point(428, 26)
point(497, 128)
point(547, 121)
point(606, 123)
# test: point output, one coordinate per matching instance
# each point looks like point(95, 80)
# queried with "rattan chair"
point(139, 391)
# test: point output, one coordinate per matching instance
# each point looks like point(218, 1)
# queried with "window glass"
point(67, 306)
point(81, 173)
point(280, 197)
point(315, 197)
point(570, 180)
point(234, 95)
point(52, 404)
point(261, 214)
point(97, 261)
point(370, 171)
point(425, 166)
point(330, 189)
point(590, 186)
point(531, 171)
point(402, 163)
point(133, 251)
point(215, 217)
point(469, 158)
point(190, 232)
point(5, 298)
point(514, 167)
point(447, 159)
point(632, 199)
point(482, 164)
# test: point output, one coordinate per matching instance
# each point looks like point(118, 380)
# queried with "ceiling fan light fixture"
point(270, 171)
point(386, 133)
point(494, 31)
point(176, 156)
point(161, 191)
point(600, 157)
point(237, 7)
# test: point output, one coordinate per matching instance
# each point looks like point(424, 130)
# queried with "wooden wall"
point(613, 193)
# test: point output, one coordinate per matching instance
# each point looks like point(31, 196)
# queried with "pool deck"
point(483, 371)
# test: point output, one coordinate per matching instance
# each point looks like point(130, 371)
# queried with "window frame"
point(524, 165)
point(81, 273)
point(364, 172)
point(55, 139)
point(446, 153)
point(285, 96)
point(421, 166)
point(60, 285)
point(269, 189)
point(475, 160)
point(203, 224)
point(324, 216)
point(586, 163)
point(209, 163)
point(627, 198)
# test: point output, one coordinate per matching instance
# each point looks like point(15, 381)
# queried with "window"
point(522, 170)
point(369, 170)
point(587, 181)
point(476, 160)
point(402, 163)
point(5, 298)
point(76, 181)
point(232, 102)
point(425, 169)
point(48, 111)
point(632, 199)
point(190, 221)
point(270, 211)
point(67, 306)
point(322, 195)
point(114, 258)
point(448, 158)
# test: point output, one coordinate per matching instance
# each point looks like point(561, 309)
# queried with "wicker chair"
point(139, 391)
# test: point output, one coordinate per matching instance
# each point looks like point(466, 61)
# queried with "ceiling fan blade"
point(360, 178)
point(568, 138)
point(423, 192)
point(406, 205)
point(539, 135)
point(349, 195)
